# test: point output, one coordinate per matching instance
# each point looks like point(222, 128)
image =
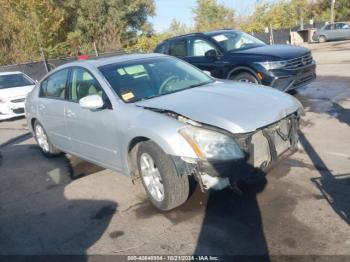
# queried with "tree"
point(62, 28)
point(210, 15)
point(321, 10)
point(30, 26)
point(111, 24)
point(281, 14)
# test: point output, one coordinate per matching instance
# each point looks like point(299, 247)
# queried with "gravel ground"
point(302, 208)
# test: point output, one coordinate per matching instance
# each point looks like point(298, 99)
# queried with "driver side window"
point(83, 84)
point(200, 46)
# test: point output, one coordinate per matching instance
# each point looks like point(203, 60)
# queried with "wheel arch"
point(132, 149)
point(242, 69)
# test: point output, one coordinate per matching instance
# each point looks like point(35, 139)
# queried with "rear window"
point(15, 80)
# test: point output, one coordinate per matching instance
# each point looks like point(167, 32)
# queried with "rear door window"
point(55, 85)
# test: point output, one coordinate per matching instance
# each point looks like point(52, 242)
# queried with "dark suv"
point(230, 54)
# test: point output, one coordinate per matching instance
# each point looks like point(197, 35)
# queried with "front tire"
point(43, 141)
point(245, 77)
point(322, 39)
point(165, 187)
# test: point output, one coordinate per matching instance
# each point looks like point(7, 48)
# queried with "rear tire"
point(322, 39)
point(43, 141)
point(245, 77)
point(168, 189)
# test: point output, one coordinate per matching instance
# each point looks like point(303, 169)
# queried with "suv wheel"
point(322, 39)
point(165, 187)
point(43, 141)
point(245, 77)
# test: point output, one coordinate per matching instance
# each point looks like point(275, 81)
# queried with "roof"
point(101, 61)
point(209, 33)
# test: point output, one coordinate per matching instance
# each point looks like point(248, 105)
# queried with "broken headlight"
point(209, 144)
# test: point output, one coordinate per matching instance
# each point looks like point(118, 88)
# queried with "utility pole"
point(332, 11)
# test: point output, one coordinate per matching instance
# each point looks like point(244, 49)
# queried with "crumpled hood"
point(233, 106)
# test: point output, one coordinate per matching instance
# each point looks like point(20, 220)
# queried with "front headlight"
point(272, 64)
point(210, 144)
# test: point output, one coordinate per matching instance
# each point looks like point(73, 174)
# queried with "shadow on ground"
point(55, 224)
point(334, 188)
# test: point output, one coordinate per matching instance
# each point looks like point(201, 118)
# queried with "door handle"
point(41, 107)
point(70, 113)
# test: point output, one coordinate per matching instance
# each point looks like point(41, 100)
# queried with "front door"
point(92, 132)
point(198, 56)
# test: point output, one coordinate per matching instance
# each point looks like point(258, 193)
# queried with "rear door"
point(92, 132)
point(51, 108)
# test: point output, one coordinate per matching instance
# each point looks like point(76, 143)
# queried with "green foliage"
point(322, 9)
point(211, 15)
point(69, 27)
point(281, 14)
point(64, 28)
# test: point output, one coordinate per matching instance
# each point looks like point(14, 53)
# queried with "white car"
point(14, 87)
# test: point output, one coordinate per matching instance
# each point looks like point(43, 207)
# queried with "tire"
point(175, 187)
point(46, 147)
point(322, 39)
point(245, 77)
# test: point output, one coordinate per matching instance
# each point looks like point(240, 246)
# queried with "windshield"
point(148, 78)
point(14, 80)
point(233, 41)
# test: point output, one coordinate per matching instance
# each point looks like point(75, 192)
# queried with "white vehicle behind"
point(14, 87)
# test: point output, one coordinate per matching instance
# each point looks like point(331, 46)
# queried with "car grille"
point(269, 143)
point(299, 62)
point(20, 100)
point(304, 80)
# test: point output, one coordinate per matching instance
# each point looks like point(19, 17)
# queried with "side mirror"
point(91, 102)
point(211, 54)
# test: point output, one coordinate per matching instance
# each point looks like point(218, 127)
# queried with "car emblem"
point(303, 60)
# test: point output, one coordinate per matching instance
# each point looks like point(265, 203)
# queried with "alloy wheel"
point(41, 137)
point(151, 177)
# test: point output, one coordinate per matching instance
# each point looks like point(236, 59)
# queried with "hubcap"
point(41, 138)
point(151, 177)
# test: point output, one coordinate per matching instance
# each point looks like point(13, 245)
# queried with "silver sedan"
point(160, 119)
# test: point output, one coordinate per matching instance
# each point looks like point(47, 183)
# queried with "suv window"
point(200, 46)
point(83, 84)
point(55, 85)
point(340, 26)
point(329, 27)
point(162, 48)
point(178, 48)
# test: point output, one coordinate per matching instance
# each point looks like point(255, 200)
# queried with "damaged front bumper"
point(262, 150)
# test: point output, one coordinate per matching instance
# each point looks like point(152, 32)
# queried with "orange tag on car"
point(127, 96)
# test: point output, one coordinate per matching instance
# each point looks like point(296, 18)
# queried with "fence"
point(37, 70)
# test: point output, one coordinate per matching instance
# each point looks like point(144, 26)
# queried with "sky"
point(166, 10)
